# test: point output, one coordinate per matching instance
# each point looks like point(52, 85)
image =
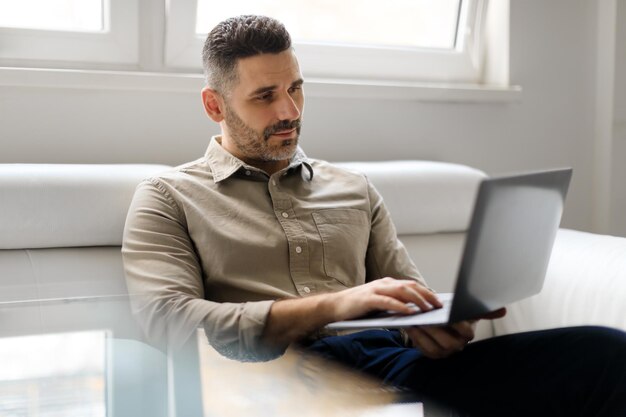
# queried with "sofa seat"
point(54, 273)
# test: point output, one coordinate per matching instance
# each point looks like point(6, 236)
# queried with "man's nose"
point(287, 109)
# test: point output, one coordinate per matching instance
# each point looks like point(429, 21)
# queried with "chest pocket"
point(345, 235)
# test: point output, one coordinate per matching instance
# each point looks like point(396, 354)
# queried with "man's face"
point(263, 112)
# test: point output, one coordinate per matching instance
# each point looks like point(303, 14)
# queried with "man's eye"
point(265, 97)
point(294, 89)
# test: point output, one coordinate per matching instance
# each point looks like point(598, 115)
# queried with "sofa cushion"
point(62, 205)
point(66, 205)
point(424, 197)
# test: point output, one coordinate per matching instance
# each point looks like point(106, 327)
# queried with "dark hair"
point(239, 37)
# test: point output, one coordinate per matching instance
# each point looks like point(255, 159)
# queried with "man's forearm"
point(291, 320)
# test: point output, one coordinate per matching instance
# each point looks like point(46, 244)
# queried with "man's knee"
point(598, 341)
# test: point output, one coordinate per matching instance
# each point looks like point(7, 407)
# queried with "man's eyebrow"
point(261, 90)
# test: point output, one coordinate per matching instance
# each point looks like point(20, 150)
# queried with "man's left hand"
point(437, 342)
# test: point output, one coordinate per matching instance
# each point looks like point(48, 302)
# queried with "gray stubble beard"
point(254, 145)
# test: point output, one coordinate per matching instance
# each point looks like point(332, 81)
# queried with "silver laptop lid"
point(509, 241)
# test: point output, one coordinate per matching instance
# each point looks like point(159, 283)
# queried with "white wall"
point(618, 163)
point(552, 57)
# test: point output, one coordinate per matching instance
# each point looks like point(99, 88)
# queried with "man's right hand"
point(381, 294)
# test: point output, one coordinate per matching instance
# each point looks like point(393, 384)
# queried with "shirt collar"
point(223, 164)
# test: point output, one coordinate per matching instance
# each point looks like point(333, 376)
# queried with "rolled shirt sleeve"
point(165, 281)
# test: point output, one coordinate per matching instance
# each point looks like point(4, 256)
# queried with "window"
point(68, 15)
point(402, 23)
point(407, 40)
point(348, 42)
point(93, 31)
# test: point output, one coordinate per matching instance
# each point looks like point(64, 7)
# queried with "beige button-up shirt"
point(214, 242)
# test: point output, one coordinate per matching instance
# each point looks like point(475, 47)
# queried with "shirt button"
point(248, 172)
point(306, 290)
point(274, 183)
point(285, 214)
point(298, 249)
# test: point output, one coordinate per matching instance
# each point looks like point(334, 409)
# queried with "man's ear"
point(213, 103)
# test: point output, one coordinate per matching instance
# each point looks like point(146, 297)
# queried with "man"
point(263, 247)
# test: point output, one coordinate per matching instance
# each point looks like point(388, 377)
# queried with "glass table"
point(86, 357)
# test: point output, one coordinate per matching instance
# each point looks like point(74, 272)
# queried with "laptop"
point(506, 253)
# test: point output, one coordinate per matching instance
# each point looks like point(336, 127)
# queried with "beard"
point(254, 145)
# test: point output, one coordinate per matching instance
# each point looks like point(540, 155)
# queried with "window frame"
point(463, 64)
point(118, 43)
point(486, 44)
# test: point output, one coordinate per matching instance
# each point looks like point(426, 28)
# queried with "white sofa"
point(61, 229)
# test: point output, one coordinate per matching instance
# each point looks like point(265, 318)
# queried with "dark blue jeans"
point(579, 371)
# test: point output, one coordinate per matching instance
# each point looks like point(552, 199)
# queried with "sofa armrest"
point(585, 285)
